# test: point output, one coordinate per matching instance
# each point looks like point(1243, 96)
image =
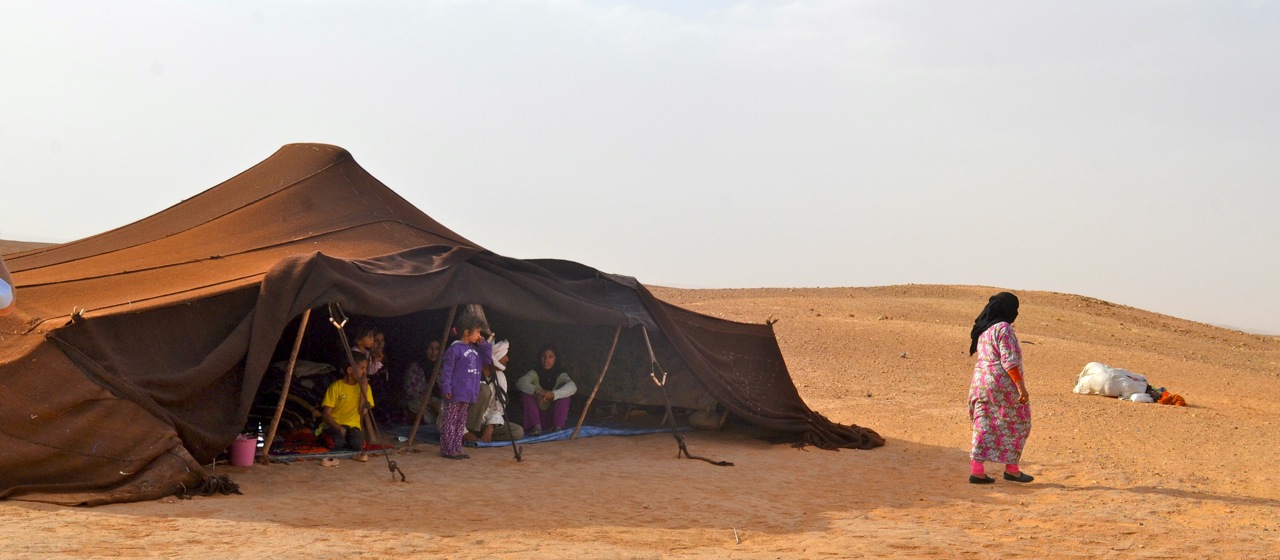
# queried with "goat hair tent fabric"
point(135, 355)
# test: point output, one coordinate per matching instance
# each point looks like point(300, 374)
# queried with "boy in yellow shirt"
point(343, 407)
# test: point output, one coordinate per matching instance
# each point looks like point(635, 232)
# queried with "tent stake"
point(435, 373)
point(284, 390)
point(603, 371)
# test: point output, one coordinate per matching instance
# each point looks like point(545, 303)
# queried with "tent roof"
point(303, 198)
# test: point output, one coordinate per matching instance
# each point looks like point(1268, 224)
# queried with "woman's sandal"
point(328, 462)
point(1021, 477)
point(459, 456)
point(984, 480)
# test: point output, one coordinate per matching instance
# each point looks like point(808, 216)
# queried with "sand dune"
point(1115, 479)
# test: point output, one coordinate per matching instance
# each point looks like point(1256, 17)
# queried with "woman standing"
point(998, 399)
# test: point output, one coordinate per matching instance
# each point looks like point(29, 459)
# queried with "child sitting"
point(343, 407)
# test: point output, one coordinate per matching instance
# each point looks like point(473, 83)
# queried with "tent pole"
point(603, 370)
point(435, 373)
point(284, 390)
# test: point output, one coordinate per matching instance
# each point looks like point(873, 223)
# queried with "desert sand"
point(1114, 479)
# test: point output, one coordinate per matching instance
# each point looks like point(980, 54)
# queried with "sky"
point(1127, 151)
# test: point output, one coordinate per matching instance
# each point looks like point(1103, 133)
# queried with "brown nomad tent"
point(135, 355)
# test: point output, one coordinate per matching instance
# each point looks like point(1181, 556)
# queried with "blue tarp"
point(428, 434)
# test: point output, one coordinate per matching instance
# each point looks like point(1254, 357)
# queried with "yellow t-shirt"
point(345, 400)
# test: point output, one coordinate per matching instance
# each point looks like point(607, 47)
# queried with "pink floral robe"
point(1000, 424)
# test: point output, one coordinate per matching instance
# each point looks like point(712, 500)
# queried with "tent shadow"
point(611, 484)
point(605, 482)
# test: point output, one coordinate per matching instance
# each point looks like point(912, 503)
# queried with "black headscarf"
point(1001, 308)
point(547, 377)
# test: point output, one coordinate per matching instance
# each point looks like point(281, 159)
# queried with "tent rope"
point(221, 484)
point(339, 320)
point(515, 449)
point(654, 368)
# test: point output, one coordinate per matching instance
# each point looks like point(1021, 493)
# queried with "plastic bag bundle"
point(1101, 379)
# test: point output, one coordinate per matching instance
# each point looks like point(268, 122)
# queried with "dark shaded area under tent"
point(628, 400)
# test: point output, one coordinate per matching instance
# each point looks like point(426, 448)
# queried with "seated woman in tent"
point(416, 376)
point(545, 393)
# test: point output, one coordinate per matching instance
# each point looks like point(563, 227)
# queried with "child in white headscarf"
point(486, 420)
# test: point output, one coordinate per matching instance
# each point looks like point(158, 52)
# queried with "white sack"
point(1101, 379)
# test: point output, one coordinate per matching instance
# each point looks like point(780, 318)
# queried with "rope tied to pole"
point(394, 468)
point(515, 449)
point(339, 320)
point(654, 368)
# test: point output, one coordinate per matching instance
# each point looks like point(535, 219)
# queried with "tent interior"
point(627, 396)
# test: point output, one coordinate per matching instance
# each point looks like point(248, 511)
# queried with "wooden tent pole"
point(284, 390)
point(603, 371)
point(435, 373)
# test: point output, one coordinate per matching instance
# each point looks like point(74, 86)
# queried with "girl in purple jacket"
point(460, 382)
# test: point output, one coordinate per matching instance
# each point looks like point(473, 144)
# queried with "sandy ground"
point(1114, 479)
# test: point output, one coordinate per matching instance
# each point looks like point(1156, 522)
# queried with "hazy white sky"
point(1128, 151)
